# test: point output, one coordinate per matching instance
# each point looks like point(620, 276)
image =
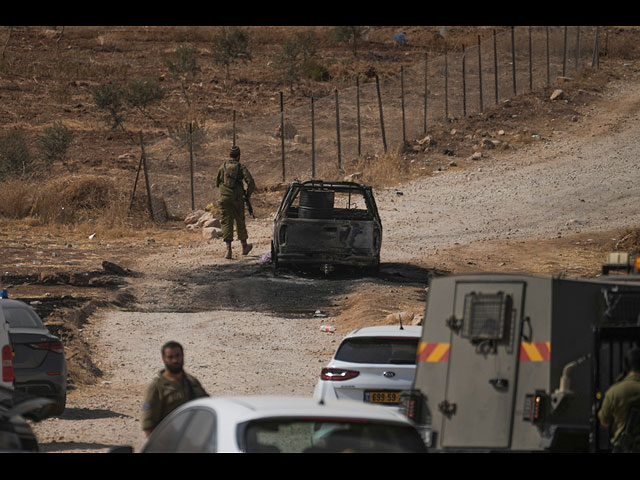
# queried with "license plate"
point(382, 397)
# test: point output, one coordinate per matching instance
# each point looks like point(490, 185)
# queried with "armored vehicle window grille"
point(621, 308)
point(485, 316)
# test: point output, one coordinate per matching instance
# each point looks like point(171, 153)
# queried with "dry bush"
point(629, 242)
point(384, 171)
point(84, 199)
point(16, 199)
point(624, 47)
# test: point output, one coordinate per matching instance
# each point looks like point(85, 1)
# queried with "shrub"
point(230, 45)
point(315, 71)
point(54, 143)
point(140, 93)
point(109, 98)
point(15, 156)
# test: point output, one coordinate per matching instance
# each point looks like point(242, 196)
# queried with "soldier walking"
point(232, 196)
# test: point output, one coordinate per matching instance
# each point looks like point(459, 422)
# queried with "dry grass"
point(629, 242)
point(15, 201)
point(80, 202)
point(387, 170)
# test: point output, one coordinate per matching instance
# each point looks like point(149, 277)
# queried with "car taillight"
point(411, 404)
point(338, 374)
point(7, 364)
point(55, 346)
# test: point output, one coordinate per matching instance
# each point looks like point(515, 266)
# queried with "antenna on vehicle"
point(400, 320)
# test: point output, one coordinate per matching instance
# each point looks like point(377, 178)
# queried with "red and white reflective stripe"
point(535, 351)
point(433, 352)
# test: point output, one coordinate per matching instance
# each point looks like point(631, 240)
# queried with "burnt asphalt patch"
point(285, 292)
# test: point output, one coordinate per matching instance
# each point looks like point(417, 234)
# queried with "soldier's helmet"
point(235, 152)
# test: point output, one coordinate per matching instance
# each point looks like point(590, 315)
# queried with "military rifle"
point(248, 202)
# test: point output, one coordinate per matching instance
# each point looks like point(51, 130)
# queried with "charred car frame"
point(327, 224)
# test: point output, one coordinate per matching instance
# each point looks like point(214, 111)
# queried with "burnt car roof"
point(333, 185)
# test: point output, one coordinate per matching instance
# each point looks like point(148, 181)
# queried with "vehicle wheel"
point(374, 269)
point(58, 408)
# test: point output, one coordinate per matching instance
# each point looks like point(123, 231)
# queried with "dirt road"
point(248, 331)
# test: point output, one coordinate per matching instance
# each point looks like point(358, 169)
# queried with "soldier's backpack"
point(232, 174)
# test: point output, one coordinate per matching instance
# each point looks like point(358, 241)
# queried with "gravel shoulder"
point(582, 181)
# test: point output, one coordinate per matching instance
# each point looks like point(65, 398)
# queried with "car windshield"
point(22, 317)
point(312, 435)
point(395, 350)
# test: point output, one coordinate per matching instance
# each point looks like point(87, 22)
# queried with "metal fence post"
point(530, 62)
point(384, 137)
point(404, 130)
point(513, 60)
point(480, 73)
point(495, 65)
point(464, 84)
point(577, 47)
point(358, 115)
point(313, 141)
point(548, 59)
point(282, 134)
point(446, 83)
point(564, 54)
point(425, 93)
point(338, 129)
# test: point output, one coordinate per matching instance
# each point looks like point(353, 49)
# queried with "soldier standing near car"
point(620, 397)
point(232, 197)
point(169, 389)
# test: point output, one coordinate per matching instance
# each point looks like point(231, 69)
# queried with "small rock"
point(214, 222)
point(353, 177)
point(487, 143)
point(204, 218)
point(211, 232)
point(193, 217)
point(556, 95)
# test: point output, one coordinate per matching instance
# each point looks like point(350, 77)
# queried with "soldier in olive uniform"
point(621, 396)
point(169, 389)
point(229, 180)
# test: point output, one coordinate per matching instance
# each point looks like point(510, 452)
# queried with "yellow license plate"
point(382, 397)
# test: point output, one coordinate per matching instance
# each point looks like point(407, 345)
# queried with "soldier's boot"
point(228, 255)
point(246, 247)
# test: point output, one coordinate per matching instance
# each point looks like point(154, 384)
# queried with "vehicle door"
point(191, 430)
point(481, 378)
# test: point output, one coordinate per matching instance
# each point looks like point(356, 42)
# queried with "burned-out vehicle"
point(327, 224)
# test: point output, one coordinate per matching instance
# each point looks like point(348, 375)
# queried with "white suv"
point(372, 365)
point(6, 351)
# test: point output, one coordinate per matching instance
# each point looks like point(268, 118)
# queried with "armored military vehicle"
point(512, 362)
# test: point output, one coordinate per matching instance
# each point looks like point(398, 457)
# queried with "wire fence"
point(376, 115)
